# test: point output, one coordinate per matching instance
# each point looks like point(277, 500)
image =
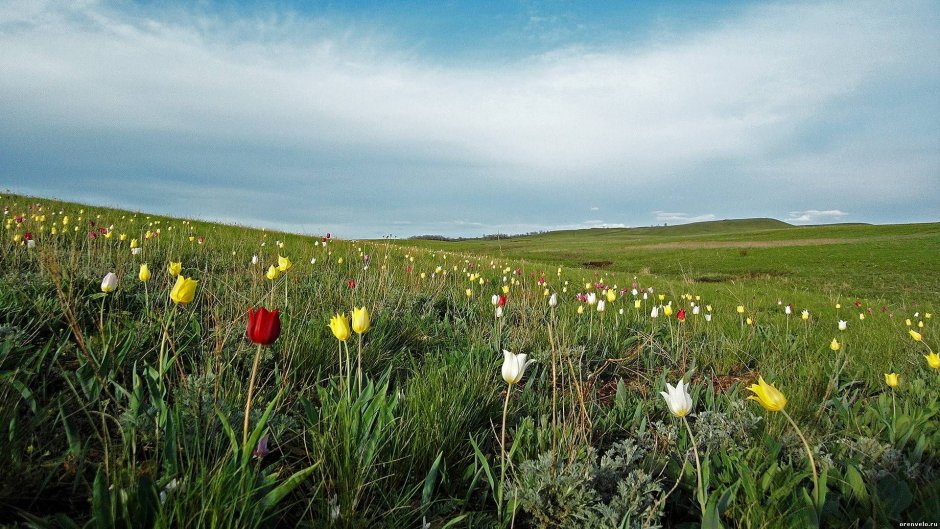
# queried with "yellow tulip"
point(122, 237)
point(469, 293)
point(283, 263)
point(636, 303)
point(662, 297)
point(360, 320)
point(933, 360)
point(505, 289)
point(184, 290)
point(835, 345)
point(175, 268)
point(144, 274)
point(134, 243)
point(891, 379)
point(749, 321)
point(767, 396)
point(667, 310)
point(273, 273)
point(915, 335)
point(339, 324)
point(580, 309)
point(740, 309)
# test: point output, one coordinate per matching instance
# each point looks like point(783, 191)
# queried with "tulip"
point(740, 309)
point(787, 310)
point(843, 324)
point(654, 313)
point(339, 324)
point(505, 289)
point(601, 305)
point(637, 303)
point(696, 309)
point(360, 320)
point(514, 366)
point(264, 326)
point(109, 283)
point(469, 293)
point(495, 300)
point(499, 312)
point(30, 244)
point(933, 360)
point(592, 298)
point(135, 251)
point(184, 290)
point(273, 273)
point(283, 263)
point(767, 396)
point(680, 315)
point(667, 310)
point(553, 300)
point(891, 379)
point(835, 345)
point(678, 399)
point(708, 317)
point(611, 295)
point(804, 315)
point(254, 259)
point(175, 268)
point(580, 309)
point(144, 274)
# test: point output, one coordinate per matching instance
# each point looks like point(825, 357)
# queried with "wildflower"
point(109, 283)
point(553, 300)
point(843, 325)
point(339, 324)
point(740, 309)
point(933, 360)
point(681, 315)
point(804, 315)
point(283, 263)
point(514, 366)
point(175, 268)
point(678, 399)
point(891, 379)
point(144, 274)
point(767, 395)
point(360, 320)
point(264, 326)
point(835, 345)
point(273, 273)
point(184, 290)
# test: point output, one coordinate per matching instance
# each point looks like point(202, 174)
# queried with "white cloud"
point(307, 100)
point(681, 218)
point(813, 216)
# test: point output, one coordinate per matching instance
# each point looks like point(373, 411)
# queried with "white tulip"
point(30, 244)
point(654, 313)
point(601, 305)
point(135, 251)
point(843, 325)
point(514, 366)
point(787, 310)
point(499, 312)
point(592, 298)
point(696, 309)
point(254, 259)
point(553, 300)
point(678, 399)
point(495, 299)
point(109, 283)
point(708, 317)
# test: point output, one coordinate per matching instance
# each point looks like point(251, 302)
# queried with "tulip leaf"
point(272, 498)
point(429, 481)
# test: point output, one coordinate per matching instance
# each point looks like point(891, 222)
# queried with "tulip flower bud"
point(109, 283)
point(144, 274)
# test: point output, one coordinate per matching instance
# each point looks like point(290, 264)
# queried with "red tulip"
point(501, 301)
point(680, 315)
point(351, 283)
point(264, 326)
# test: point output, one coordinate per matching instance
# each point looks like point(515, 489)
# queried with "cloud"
point(595, 208)
point(681, 218)
point(813, 216)
point(758, 106)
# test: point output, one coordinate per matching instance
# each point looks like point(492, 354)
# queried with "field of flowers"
point(159, 372)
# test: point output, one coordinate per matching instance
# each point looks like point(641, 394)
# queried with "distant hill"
point(712, 227)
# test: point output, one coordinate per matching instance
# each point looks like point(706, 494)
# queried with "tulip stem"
point(698, 466)
point(502, 458)
point(251, 389)
point(812, 461)
point(551, 340)
point(359, 364)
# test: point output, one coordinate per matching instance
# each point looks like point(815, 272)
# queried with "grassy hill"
point(882, 262)
point(125, 403)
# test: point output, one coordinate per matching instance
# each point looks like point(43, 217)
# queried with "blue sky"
point(464, 118)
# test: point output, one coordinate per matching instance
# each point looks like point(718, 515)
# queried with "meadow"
point(141, 399)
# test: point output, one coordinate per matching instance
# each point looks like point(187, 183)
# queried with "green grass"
point(127, 410)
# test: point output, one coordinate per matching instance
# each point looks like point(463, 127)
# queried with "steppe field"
point(739, 374)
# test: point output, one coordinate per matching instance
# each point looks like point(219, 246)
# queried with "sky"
point(373, 119)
